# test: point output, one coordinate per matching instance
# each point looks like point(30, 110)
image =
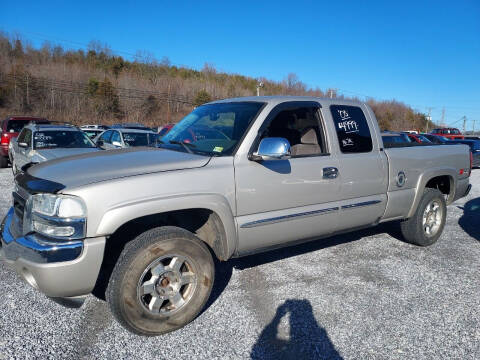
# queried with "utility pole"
point(331, 92)
point(442, 124)
point(429, 118)
point(473, 131)
point(464, 123)
point(259, 85)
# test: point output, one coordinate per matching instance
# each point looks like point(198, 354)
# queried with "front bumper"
point(56, 268)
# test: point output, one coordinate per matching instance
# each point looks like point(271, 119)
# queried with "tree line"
point(97, 86)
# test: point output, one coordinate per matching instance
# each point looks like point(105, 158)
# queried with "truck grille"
point(18, 207)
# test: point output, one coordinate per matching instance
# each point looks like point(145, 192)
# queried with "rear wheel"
point(161, 281)
point(426, 225)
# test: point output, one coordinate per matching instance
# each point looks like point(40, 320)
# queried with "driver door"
point(283, 201)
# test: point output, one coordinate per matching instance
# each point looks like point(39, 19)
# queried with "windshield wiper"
point(185, 145)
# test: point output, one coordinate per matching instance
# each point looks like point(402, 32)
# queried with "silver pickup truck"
point(234, 177)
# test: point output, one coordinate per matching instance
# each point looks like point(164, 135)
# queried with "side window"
point(28, 137)
point(352, 129)
point(116, 137)
point(301, 126)
point(106, 136)
point(21, 136)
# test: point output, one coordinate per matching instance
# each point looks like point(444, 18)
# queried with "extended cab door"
point(281, 201)
point(362, 165)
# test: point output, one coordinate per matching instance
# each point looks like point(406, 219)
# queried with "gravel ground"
point(361, 295)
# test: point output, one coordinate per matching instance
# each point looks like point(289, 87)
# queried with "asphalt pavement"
point(361, 295)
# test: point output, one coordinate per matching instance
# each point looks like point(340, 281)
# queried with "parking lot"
point(365, 294)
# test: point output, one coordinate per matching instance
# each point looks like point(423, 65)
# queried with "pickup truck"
point(273, 171)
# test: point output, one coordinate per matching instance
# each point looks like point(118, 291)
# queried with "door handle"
point(330, 172)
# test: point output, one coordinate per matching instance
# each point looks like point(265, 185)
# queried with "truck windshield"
point(61, 139)
point(213, 129)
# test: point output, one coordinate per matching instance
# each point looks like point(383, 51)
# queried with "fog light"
point(50, 230)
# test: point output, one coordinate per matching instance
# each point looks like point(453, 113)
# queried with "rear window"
point(139, 139)
point(16, 125)
point(352, 129)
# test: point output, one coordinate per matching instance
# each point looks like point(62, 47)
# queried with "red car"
point(418, 138)
point(9, 129)
point(449, 133)
point(165, 129)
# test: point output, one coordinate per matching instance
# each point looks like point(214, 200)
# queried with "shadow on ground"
point(304, 340)
point(223, 270)
point(470, 219)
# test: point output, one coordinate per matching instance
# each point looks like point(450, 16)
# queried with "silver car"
point(38, 143)
point(123, 138)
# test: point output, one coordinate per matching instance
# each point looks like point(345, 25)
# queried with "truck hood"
point(74, 171)
point(49, 154)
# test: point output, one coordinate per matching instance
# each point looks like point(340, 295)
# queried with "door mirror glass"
point(273, 148)
point(23, 144)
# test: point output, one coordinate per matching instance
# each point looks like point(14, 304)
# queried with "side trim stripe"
point(288, 217)
point(366, 203)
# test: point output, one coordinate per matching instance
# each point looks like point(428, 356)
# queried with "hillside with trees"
point(98, 86)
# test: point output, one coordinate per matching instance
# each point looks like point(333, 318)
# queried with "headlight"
point(64, 206)
point(58, 216)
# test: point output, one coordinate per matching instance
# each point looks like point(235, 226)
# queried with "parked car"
point(390, 137)
point(135, 126)
point(449, 133)
point(436, 139)
point(122, 138)
point(165, 129)
point(146, 222)
point(92, 133)
point(37, 143)
point(418, 138)
point(9, 129)
point(474, 148)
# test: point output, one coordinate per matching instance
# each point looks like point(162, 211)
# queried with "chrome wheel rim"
point(432, 218)
point(167, 284)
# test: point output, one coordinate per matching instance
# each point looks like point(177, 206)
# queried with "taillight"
point(5, 139)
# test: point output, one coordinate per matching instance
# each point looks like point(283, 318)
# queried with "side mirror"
point(23, 145)
point(100, 144)
point(116, 143)
point(272, 149)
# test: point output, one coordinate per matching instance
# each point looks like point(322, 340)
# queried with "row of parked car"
point(28, 140)
point(399, 139)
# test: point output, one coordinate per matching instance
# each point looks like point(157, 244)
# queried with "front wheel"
point(161, 281)
point(426, 225)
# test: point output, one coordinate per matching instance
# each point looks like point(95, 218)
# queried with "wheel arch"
point(209, 216)
point(441, 179)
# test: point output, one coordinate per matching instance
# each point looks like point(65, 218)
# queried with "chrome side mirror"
point(23, 145)
point(273, 148)
point(117, 144)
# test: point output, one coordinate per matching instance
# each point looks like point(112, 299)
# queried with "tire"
point(3, 162)
point(426, 225)
point(147, 264)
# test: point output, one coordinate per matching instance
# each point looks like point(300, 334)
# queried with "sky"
point(423, 53)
